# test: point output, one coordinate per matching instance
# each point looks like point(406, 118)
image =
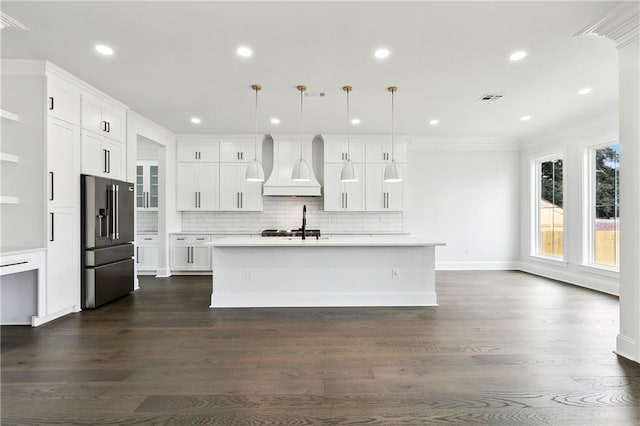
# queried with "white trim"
point(600, 270)
point(549, 260)
point(464, 144)
point(626, 347)
point(4, 199)
point(569, 277)
point(163, 273)
point(36, 321)
point(620, 24)
point(509, 265)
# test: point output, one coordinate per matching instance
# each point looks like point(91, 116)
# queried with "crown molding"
point(621, 25)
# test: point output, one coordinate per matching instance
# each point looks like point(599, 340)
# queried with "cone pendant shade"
point(393, 172)
point(301, 171)
point(348, 174)
point(255, 173)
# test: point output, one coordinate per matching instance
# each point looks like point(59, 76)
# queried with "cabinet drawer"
point(147, 240)
point(189, 240)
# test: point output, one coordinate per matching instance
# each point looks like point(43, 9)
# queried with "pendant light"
point(301, 168)
point(255, 172)
point(348, 174)
point(392, 172)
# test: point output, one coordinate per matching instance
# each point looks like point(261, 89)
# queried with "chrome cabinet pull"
point(137, 254)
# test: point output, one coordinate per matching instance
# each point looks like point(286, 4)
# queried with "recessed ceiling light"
point(196, 120)
point(244, 51)
point(434, 122)
point(525, 118)
point(275, 120)
point(381, 53)
point(104, 50)
point(355, 121)
point(519, 55)
point(584, 91)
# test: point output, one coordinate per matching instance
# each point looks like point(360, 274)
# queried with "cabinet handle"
point(52, 228)
point(109, 161)
point(346, 200)
point(137, 254)
point(199, 199)
point(342, 200)
point(195, 202)
point(105, 160)
point(51, 103)
point(51, 197)
point(242, 155)
point(242, 200)
point(108, 127)
point(199, 155)
point(104, 126)
point(196, 154)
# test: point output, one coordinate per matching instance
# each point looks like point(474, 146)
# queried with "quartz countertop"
point(332, 241)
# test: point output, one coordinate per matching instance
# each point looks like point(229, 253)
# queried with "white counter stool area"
point(334, 271)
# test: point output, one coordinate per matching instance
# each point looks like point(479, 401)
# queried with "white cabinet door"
point(63, 269)
point(197, 150)
point(378, 152)
point(381, 195)
point(147, 192)
point(63, 101)
point(238, 152)
point(250, 192)
point(147, 258)
point(343, 196)
point(103, 118)
point(337, 152)
point(94, 158)
point(209, 186)
point(200, 259)
point(62, 143)
point(236, 194)
point(180, 257)
point(187, 186)
point(115, 159)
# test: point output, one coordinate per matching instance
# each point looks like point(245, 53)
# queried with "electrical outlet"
point(248, 274)
point(468, 252)
point(395, 274)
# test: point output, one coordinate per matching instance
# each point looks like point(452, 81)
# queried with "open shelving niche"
point(9, 158)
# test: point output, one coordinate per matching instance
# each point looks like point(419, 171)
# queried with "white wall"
point(168, 217)
point(572, 140)
point(464, 192)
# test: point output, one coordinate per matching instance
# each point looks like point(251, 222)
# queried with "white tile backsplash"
point(147, 221)
point(286, 213)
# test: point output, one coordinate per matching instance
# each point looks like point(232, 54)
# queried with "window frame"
point(589, 208)
point(536, 196)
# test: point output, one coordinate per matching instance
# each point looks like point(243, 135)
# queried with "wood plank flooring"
point(502, 348)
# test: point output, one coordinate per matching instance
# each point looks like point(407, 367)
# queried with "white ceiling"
point(177, 59)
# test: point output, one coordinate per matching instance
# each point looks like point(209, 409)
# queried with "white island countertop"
point(331, 241)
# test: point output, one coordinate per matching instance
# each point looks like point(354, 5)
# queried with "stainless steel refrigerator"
point(107, 240)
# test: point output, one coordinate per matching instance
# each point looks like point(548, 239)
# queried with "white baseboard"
point(163, 273)
point(477, 266)
point(597, 283)
point(626, 347)
point(36, 321)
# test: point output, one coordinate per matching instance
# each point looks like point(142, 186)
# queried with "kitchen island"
point(336, 271)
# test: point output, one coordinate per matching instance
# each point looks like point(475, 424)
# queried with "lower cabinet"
point(63, 269)
point(187, 253)
point(147, 253)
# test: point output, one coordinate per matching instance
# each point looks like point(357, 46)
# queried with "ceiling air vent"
point(7, 21)
point(491, 97)
point(314, 94)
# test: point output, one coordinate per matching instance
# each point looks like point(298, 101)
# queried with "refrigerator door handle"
point(117, 211)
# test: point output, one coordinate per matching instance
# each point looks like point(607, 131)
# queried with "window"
point(605, 205)
point(549, 208)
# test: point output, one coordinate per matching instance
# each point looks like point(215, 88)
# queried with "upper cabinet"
point(102, 156)
point(380, 152)
point(235, 192)
point(197, 149)
point(63, 100)
point(338, 152)
point(238, 151)
point(147, 185)
point(103, 118)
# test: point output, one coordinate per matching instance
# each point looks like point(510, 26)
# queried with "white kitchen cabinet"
point(336, 152)
point(63, 142)
point(147, 253)
point(197, 150)
point(198, 187)
point(187, 253)
point(235, 192)
point(381, 195)
point(102, 156)
point(102, 118)
point(63, 263)
point(63, 101)
point(147, 185)
point(379, 152)
point(343, 196)
point(239, 151)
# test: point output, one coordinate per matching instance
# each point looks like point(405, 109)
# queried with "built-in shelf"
point(9, 115)
point(9, 200)
point(10, 158)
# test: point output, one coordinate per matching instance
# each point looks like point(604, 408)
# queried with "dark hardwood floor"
point(502, 348)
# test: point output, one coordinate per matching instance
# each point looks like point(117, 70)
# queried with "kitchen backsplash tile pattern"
point(147, 221)
point(286, 213)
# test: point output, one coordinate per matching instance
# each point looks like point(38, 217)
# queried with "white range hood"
point(285, 154)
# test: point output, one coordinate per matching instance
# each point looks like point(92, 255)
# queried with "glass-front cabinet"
point(147, 185)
